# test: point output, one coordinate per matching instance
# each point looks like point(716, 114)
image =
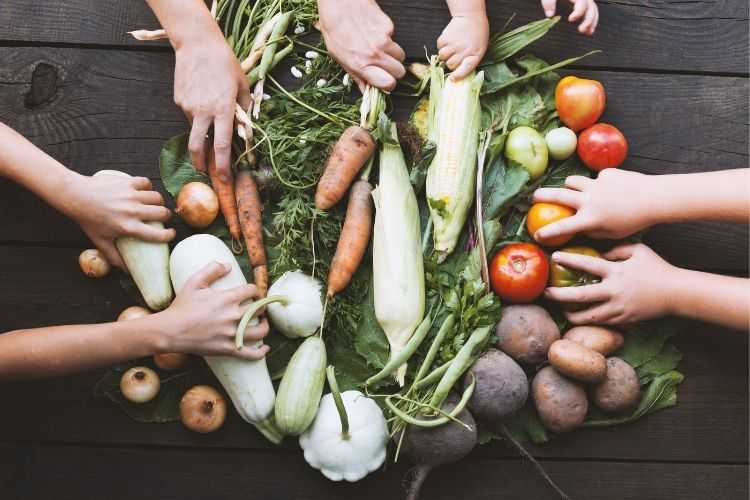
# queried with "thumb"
point(549, 7)
point(466, 67)
point(206, 276)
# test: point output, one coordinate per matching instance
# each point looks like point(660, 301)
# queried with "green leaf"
point(524, 425)
point(281, 351)
point(505, 45)
point(501, 184)
point(175, 166)
point(646, 340)
point(572, 166)
point(370, 341)
point(667, 360)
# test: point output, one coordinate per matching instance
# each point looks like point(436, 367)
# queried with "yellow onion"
point(203, 409)
point(197, 204)
point(93, 264)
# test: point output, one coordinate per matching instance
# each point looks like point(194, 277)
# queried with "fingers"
point(392, 66)
point(623, 252)
point(206, 276)
point(453, 61)
point(110, 252)
point(251, 353)
point(378, 77)
point(562, 196)
point(141, 184)
point(257, 332)
point(148, 213)
point(245, 97)
point(148, 232)
point(394, 50)
point(549, 7)
point(197, 142)
point(149, 198)
point(563, 227)
point(245, 292)
point(466, 67)
point(446, 52)
point(588, 24)
point(223, 129)
point(593, 265)
point(585, 294)
point(579, 9)
point(578, 182)
point(597, 314)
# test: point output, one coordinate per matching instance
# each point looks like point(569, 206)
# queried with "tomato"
point(580, 102)
point(542, 214)
point(602, 146)
point(561, 143)
point(565, 276)
point(527, 147)
point(519, 272)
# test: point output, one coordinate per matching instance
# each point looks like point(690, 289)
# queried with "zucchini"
point(301, 387)
point(147, 262)
point(247, 382)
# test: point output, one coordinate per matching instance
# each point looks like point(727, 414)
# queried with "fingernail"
point(548, 13)
point(556, 256)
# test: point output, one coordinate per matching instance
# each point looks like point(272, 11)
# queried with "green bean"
point(278, 31)
point(435, 422)
point(252, 77)
point(461, 362)
point(446, 327)
point(433, 376)
point(399, 359)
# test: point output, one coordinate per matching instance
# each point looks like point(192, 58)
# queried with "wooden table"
point(72, 81)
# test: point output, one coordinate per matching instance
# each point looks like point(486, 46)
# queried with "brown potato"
point(560, 402)
point(525, 333)
point(597, 338)
point(620, 391)
point(577, 361)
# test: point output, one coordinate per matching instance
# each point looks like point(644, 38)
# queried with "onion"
point(133, 312)
point(171, 360)
point(140, 384)
point(197, 204)
point(203, 409)
point(93, 264)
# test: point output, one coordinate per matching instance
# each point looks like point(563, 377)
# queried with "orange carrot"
point(223, 184)
point(355, 235)
point(250, 209)
point(350, 153)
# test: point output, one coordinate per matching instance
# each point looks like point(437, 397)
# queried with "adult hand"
point(636, 285)
point(108, 207)
point(464, 42)
point(204, 321)
point(359, 36)
point(585, 11)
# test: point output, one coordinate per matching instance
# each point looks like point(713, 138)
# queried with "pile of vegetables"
point(424, 317)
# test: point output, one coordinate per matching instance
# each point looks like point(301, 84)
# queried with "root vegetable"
point(597, 338)
point(250, 207)
point(197, 204)
point(93, 263)
point(223, 184)
point(203, 409)
point(560, 402)
point(577, 361)
point(349, 155)
point(355, 236)
point(171, 360)
point(620, 391)
point(525, 333)
point(140, 384)
point(501, 386)
point(133, 312)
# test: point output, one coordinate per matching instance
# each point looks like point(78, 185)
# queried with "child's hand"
point(464, 42)
point(108, 207)
point(204, 321)
point(614, 205)
point(584, 10)
point(638, 285)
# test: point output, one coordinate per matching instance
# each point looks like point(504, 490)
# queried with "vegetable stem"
point(446, 327)
point(239, 339)
point(253, 76)
point(433, 376)
point(331, 376)
point(402, 357)
point(435, 422)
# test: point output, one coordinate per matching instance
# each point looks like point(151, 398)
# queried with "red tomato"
point(602, 146)
point(519, 272)
point(580, 102)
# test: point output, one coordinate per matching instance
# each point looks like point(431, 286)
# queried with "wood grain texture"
point(43, 472)
point(657, 34)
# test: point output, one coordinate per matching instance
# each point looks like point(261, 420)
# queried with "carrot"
point(350, 153)
point(224, 187)
point(250, 209)
point(355, 235)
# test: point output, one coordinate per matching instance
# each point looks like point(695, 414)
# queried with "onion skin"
point(203, 409)
point(171, 360)
point(133, 312)
point(140, 384)
point(197, 204)
point(93, 264)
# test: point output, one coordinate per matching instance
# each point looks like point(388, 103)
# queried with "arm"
point(464, 41)
point(619, 203)
point(208, 79)
point(637, 285)
point(199, 321)
point(105, 207)
point(585, 11)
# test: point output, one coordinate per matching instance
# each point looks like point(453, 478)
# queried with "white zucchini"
point(247, 382)
point(147, 262)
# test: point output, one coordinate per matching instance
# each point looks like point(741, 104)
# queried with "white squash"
point(147, 262)
point(247, 382)
point(301, 314)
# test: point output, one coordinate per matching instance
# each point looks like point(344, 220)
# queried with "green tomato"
point(526, 147)
point(561, 143)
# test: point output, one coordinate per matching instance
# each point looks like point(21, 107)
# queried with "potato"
point(597, 338)
point(501, 386)
point(577, 361)
point(620, 391)
point(560, 402)
point(525, 333)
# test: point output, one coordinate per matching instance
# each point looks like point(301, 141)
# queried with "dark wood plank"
point(72, 472)
point(709, 424)
point(658, 34)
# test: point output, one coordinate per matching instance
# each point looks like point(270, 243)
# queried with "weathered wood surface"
point(657, 34)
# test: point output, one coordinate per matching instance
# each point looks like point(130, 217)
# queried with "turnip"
point(501, 386)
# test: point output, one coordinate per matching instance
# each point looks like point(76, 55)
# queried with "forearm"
point(59, 350)
point(709, 297)
point(464, 7)
point(185, 20)
point(710, 196)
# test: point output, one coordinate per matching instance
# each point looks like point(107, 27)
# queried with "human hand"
point(108, 207)
point(204, 321)
point(359, 36)
point(464, 42)
point(584, 10)
point(616, 204)
point(636, 284)
point(208, 82)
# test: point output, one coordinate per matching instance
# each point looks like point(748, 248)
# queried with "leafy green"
point(667, 359)
point(525, 425)
point(175, 166)
point(505, 45)
point(370, 341)
point(646, 340)
point(572, 166)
